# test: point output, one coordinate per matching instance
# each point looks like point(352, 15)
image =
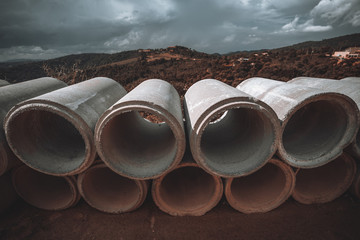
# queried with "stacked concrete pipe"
point(351, 79)
point(326, 183)
point(109, 192)
point(11, 95)
point(8, 195)
point(262, 191)
point(316, 124)
point(45, 191)
point(349, 87)
point(187, 190)
point(53, 133)
point(135, 147)
point(242, 139)
point(3, 83)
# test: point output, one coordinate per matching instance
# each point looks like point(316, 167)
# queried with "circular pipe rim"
point(69, 115)
point(229, 104)
point(352, 125)
point(171, 121)
point(163, 206)
point(284, 195)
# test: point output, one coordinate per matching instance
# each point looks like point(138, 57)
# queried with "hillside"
point(182, 66)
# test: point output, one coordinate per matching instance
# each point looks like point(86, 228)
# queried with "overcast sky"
point(41, 29)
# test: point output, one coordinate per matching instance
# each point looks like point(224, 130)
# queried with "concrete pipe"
point(11, 95)
point(45, 191)
point(349, 88)
point(135, 147)
point(355, 187)
point(187, 191)
point(351, 79)
point(262, 191)
point(326, 183)
point(316, 124)
point(7, 192)
point(231, 134)
point(3, 83)
point(53, 133)
point(109, 192)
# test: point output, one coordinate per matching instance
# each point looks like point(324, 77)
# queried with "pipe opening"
point(151, 117)
point(323, 184)
point(187, 189)
point(260, 190)
point(239, 141)
point(136, 147)
point(41, 190)
point(314, 130)
point(107, 191)
point(47, 141)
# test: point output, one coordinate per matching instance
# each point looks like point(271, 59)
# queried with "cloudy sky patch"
point(41, 29)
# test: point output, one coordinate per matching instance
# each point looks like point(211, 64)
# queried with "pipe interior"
point(47, 141)
point(240, 140)
point(108, 191)
point(41, 190)
point(323, 181)
point(137, 147)
point(314, 130)
point(261, 189)
point(187, 189)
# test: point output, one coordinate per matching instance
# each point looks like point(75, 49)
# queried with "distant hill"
point(182, 66)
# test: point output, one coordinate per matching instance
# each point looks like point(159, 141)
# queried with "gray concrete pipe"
point(135, 147)
point(187, 190)
point(3, 83)
point(53, 133)
point(326, 183)
point(45, 191)
point(8, 195)
point(11, 95)
point(109, 192)
point(237, 143)
point(262, 191)
point(316, 124)
point(349, 88)
point(351, 79)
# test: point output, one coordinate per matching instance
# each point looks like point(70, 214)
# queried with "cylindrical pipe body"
point(8, 195)
point(316, 124)
point(109, 192)
point(326, 183)
point(3, 83)
point(187, 190)
point(45, 191)
point(348, 87)
point(355, 187)
point(11, 95)
point(262, 191)
point(133, 146)
point(238, 143)
point(351, 79)
point(53, 133)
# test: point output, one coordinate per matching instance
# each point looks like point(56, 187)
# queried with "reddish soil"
point(336, 220)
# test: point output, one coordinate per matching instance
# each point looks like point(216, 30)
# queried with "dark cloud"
point(51, 28)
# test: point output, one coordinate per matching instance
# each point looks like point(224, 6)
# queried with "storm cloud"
point(41, 29)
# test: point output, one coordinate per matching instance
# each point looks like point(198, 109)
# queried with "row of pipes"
point(266, 140)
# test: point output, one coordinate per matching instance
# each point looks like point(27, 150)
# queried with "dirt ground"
point(339, 219)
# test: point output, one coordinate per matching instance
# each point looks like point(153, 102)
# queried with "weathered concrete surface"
point(262, 191)
point(241, 141)
point(316, 124)
point(109, 192)
point(3, 83)
point(45, 191)
point(347, 86)
point(53, 133)
point(187, 190)
point(135, 147)
point(8, 195)
point(11, 95)
point(326, 183)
